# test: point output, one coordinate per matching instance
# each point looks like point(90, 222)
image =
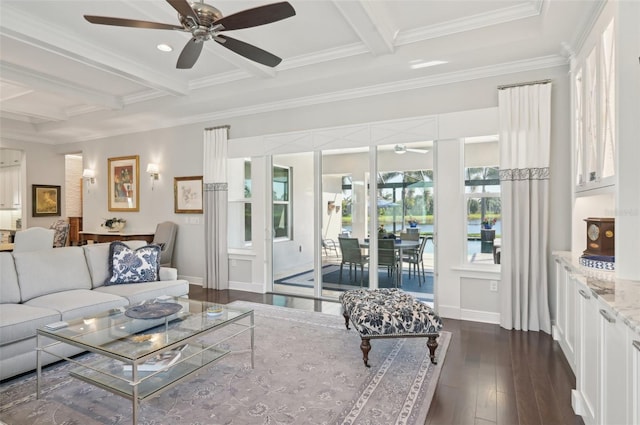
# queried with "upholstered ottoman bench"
point(389, 313)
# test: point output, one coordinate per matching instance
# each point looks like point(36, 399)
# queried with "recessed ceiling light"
point(423, 64)
point(164, 47)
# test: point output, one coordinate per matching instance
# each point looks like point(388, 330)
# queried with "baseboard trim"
point(248, 287)
point(480, 316)
point(449, 311)
point(576, 402)
point(193, 279)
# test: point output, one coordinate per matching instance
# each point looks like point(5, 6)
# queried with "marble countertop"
point(622, 296)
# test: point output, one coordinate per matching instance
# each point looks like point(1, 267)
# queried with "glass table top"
point(114, 332)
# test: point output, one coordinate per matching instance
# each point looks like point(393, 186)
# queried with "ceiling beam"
point(44, 35)
point(48, 83)
point(370, 21)
point(39, 111)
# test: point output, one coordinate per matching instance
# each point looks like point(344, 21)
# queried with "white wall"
point(178, 151)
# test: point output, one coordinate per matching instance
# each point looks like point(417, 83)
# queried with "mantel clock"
point(600, 236)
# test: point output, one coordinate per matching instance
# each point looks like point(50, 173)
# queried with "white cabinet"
point(587, 355)
point(10, 196)
point(613, 368)
point(564, 330)
point(633, 346)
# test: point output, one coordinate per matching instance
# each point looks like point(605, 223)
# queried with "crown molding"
point(596, 9)
point(375, 90)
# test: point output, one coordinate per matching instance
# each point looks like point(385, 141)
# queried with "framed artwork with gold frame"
point(45, 200)
point(124, 183)
point(187, 193)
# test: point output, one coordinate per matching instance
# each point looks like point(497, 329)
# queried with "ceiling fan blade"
point(189, 54)
point(184, 8)
point(249, 51)
point(133, 23)
point(257, 16)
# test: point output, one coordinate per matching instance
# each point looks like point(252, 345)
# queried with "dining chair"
point(409, 236)
point(414, 258)
point(165, 236)
point(329, 245)
point(387, 258)
point(352, 255)
point(33, 239)
point(61, 233)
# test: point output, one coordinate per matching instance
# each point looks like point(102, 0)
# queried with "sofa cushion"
point(52, 270)
point(97, 256)
point(20, 321)
point(9, 289)
point(138, 292)
point(79, 303)
point(133, 265)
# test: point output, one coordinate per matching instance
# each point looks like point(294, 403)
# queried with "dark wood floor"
point(490, 375)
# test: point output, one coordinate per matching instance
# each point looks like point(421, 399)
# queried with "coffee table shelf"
point(108, 374)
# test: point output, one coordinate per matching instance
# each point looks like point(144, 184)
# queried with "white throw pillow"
point(133, 266)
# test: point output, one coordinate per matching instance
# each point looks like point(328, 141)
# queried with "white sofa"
point(41, 287)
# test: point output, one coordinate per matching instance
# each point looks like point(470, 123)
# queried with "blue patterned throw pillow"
point(133, 266)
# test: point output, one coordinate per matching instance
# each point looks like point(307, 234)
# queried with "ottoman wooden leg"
point(346, 319)
point(365, 346)
point(432, 344)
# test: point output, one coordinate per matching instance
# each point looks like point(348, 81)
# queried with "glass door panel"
point(344, 222)
point(404, 208)
point(292, 205)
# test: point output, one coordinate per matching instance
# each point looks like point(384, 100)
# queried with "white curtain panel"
point(524, 174)
point(216, 275)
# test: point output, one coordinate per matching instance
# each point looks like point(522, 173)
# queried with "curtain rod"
point(530, 83)
point(228, 127)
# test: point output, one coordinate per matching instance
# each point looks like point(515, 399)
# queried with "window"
point(282, 202)
point(483, 202)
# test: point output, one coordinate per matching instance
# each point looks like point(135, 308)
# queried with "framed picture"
point(187, 192)
point(45, 200)
point(124, 183)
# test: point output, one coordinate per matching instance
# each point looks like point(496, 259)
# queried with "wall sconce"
point(89, 175)
point(154, 172)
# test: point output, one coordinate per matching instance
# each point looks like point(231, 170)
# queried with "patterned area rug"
point(331, 280)
point(308, 370)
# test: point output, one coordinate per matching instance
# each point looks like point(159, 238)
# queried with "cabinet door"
point(634, 345)
point(570, 318)
point(613, 369)
point(561, 290)
point(587, 354)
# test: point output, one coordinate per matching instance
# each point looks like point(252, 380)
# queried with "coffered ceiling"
point(64, 80)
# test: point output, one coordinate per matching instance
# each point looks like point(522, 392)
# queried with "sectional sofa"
point(60, 284)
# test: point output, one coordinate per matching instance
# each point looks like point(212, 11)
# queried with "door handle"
point(584, 294)
point(637, 345)
point(607, 316)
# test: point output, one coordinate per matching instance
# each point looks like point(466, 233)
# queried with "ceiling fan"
point(401, 149)
point(205, 22)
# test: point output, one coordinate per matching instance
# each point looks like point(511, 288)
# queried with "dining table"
point(400, 245)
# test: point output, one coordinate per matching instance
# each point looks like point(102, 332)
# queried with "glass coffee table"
point(145, 349)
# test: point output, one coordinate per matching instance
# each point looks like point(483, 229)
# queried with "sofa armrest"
point(168, 273)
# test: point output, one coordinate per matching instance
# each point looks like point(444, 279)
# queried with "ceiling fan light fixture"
point(163, 47)
point(400, 149)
